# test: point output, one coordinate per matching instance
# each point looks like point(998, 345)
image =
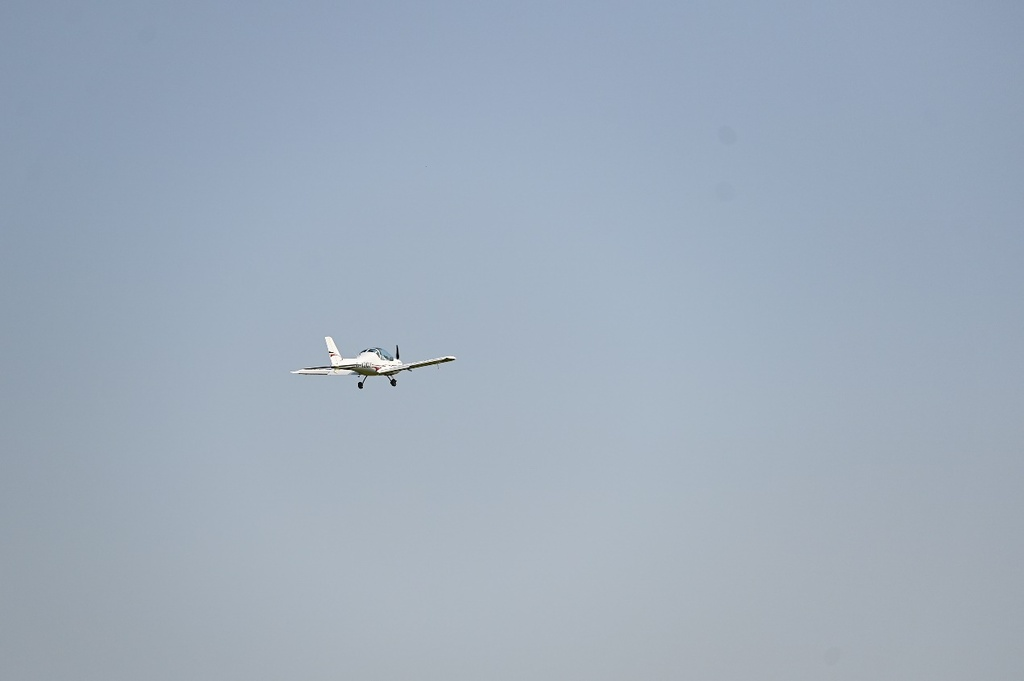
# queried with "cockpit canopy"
point(380, 352)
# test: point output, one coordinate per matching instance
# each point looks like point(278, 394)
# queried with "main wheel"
point(393, 383)
point(360, 385)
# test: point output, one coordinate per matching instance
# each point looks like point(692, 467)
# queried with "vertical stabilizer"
point(332, 350)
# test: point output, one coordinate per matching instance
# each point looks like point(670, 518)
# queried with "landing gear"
point(360, 384)
point(393, 383)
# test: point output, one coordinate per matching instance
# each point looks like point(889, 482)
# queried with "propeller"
point(397, 356)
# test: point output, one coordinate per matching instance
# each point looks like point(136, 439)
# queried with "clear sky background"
point(737, 292)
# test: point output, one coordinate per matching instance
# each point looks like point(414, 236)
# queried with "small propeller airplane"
point(369, 362)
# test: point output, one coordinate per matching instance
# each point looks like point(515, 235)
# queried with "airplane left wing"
point(324, 371)
point(417, 365)
point(348, 365)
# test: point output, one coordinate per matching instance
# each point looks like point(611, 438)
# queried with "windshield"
point(381, 352)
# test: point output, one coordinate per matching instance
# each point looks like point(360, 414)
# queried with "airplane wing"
point(417, 365)
point(347, 365)
point(324, 371)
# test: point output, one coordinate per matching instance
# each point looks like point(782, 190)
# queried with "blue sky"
point(736, 292)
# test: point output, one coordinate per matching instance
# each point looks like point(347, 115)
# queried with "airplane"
point(369, 362)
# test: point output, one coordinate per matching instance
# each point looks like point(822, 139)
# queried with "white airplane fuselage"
point(372, 365)
point(365, 364)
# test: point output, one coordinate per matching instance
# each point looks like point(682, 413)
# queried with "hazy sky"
point(737, 292)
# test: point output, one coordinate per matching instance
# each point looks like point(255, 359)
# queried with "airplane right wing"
point(417, 365)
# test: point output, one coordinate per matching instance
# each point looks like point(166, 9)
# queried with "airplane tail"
point(332, 350)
